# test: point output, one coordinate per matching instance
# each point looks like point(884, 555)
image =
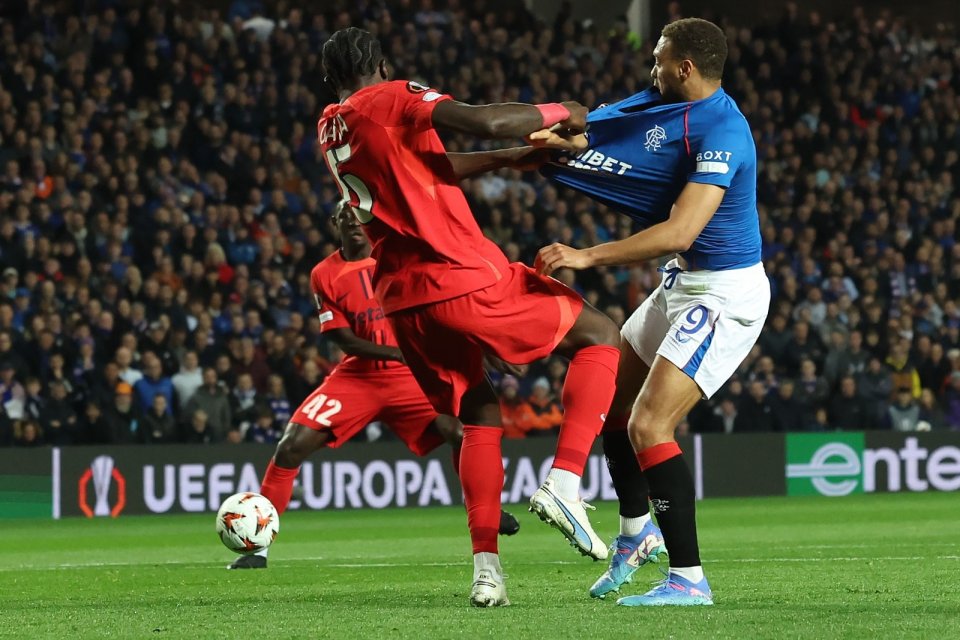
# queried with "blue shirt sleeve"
point(717, 154)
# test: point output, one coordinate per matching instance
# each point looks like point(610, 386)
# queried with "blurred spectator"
point(811, 389)
point(786, 409)
point(158, 425)
point(122, 419)
point(545, 408)
point(754, 412)
point(198, 430)
point(931, 413)
point(211, 403)
point(876, 386)
point(188, 379)
point(904, 374)
point(244, 403)
point(277, 404)
point(904, 413)
point(153, 382)
point(29, 434)
point(952, 401)
point(848, 411)
point(264, 429)
point(59, 417)
point(516, 413)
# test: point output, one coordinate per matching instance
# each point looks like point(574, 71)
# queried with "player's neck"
point(701, 90)
point(362, 83)
point(352, 253)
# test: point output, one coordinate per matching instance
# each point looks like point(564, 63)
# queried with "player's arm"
point(467, 165)
point(508, 119)
point(353, 345)
point(690, 214)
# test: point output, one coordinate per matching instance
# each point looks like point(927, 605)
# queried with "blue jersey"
point(643, 152)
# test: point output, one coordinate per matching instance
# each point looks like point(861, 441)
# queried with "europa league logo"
point(103, 473)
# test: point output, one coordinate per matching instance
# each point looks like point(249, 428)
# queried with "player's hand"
point(558, 256)
point(560, 139)
point(495, 363)
point(578, 116)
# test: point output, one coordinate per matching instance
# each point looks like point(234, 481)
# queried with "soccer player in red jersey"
point(370, 384)
point(451, 295)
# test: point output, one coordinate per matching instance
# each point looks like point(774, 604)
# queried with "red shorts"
point(521, 318)
point(347, 402)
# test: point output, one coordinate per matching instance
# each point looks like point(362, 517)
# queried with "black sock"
point(674, 503)
point(628, 481)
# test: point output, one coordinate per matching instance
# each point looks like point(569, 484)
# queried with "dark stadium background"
point(105, 259)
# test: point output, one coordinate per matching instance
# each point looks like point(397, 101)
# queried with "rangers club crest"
point(655, 138)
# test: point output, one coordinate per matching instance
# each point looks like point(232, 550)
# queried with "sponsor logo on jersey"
point(713, 161)
point(655, 138)
point(596, 161)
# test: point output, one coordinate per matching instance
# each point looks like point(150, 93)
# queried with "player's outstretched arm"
point(690, 214)
point(508, 119)
point(467, 165)
point(354, 345)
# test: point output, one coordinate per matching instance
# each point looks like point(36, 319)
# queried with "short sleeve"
point(717, 155)
point(406, 103)
point(331, 316)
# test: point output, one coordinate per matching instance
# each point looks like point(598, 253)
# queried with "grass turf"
point(868, 566)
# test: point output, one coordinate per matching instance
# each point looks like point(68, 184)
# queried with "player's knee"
point(292, 450)
point(644, 427)
point(450, 429)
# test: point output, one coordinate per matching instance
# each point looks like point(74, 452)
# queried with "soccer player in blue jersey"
point(680, 159)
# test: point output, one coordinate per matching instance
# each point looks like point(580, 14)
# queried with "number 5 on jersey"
point(349, 184)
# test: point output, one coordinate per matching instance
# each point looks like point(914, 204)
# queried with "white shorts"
point(704, 322)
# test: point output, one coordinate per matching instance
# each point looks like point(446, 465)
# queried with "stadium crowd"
point(162, 203)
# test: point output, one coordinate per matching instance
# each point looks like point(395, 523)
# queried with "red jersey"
point(345, 298)
point(389, 163)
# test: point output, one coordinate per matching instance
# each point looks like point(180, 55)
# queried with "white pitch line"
point(382, 565)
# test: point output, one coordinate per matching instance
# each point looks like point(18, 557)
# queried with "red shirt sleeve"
point(331, 316)
point(405, 103)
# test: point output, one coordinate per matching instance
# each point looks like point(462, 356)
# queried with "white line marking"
point(55, 469)
point(383, 565)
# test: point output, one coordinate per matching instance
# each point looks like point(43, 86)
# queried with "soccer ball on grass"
point(247, 523)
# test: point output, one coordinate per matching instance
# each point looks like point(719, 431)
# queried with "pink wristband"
point(552, 113)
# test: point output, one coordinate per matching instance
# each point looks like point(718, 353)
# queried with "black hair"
point(701, 42)
point(349, 55)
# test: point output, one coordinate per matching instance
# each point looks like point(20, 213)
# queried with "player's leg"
point(666, 397)
point(452, 431)
point(639, 540)
point(448, 366)
point(413, 419)
point(328, 417)
point(592, 344)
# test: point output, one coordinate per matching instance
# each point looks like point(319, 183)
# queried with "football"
point(247, 523)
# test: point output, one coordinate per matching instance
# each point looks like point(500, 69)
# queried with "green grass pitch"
point(879, 566)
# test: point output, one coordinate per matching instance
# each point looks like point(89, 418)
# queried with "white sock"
point(262, 553)
point(485, 560)
point(566, 483)
point(633, 526)
point(693, 574)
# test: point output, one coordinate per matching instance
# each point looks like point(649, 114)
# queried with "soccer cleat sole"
point(559, 522)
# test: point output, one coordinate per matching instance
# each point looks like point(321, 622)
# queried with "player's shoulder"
point(324, 270)
point(719, 117)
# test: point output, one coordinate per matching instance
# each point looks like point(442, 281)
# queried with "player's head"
point(690, 51)
point(352, 59)
point(351, 233)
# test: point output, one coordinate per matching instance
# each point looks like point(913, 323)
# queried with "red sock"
point(587, 394)
point(652, 456)
point(481, 474)
point(277, 485)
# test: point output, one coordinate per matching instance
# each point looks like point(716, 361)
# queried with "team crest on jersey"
point(416, 87)
point(655, 137)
